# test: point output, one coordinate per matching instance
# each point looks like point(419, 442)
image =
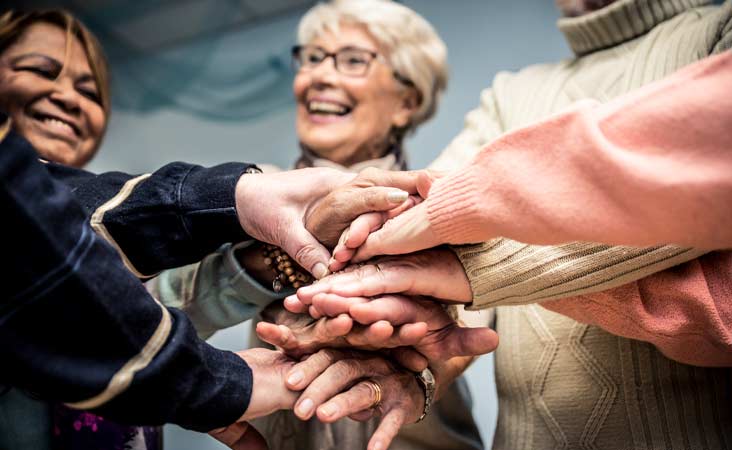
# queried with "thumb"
point(469, 342)
point(307, 251)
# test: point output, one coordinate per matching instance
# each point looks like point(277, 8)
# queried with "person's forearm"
point(505, 272)
point(172, 217)
point(216, 293)
point(652, 167)
point(78, 328)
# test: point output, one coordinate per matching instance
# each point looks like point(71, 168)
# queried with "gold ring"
point(376, 390)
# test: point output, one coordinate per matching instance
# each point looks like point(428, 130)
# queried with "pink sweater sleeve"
point(651, 167)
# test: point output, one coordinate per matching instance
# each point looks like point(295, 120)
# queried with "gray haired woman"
point(369, 72)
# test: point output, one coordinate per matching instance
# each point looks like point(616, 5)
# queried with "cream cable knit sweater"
point(563, 384)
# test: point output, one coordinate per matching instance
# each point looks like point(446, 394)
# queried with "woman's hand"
point(396, 232)
point(340, 384)
point(419, 331)
point(299, 335)
point(373, 190)
point(272, 209)
point(435, 273)
point(269, 393)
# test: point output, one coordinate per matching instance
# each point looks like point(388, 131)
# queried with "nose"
point(325, 72)
point(65, 96)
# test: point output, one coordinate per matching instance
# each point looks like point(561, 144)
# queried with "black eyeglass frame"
point(296, 66)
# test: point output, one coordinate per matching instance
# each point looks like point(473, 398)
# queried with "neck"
point(349, 158)
point(390, 158)
point(574, 8)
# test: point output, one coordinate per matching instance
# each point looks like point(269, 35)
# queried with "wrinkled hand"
point(398, 232)
point(433, 273)
point(373, 190)
point(269, 393)
point(299, 335)
point(272, 208)
point(336, 385)
point(388, 322)
point(444, 338)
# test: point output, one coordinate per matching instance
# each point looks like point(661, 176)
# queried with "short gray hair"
point(413, 47)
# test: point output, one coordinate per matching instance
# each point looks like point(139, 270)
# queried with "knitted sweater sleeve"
point(504, 272)
point(648, 168)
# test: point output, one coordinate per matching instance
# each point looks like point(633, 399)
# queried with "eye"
point(354, 59)
point(91, 95)
point(311, 58)
point(40, 71)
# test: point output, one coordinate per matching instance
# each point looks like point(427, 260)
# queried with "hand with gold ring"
point(359, 385)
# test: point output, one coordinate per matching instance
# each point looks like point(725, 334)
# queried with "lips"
point(57, 124)
point(327, 107)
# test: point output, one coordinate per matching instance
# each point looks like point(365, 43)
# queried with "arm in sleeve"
point(651, 167)
point(78, 328)
point(216, 293)
point(172, 217)
point(506, 272)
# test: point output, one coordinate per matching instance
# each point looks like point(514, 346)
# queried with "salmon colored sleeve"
point(651, 167)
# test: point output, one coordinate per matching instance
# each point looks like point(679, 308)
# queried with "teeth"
point(58, 124)
point(327, 107)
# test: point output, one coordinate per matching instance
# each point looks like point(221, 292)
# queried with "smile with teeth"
point(57, 124)
point(319, 107)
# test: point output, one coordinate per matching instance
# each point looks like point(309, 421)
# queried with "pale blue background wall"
point(483, 37)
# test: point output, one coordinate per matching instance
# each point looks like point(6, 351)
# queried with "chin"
point(60, 153)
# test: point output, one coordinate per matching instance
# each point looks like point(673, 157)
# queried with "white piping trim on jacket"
point(121, 380)
point(98, 226)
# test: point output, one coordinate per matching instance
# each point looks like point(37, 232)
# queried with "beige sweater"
point(563, 384)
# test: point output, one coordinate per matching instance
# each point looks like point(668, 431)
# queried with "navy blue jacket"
point(76, 326)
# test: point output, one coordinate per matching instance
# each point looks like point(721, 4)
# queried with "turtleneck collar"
point(393, 160)
point(619, 22)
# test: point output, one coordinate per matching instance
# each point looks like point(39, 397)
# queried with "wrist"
point(244, 195)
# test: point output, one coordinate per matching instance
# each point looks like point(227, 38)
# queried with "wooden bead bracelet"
point(287, 272)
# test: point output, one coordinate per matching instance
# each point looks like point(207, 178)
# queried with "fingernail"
point(319, 270)
point(397, 196)
point(377, 446)
point(305, 407)
point(295, 378)
point(329, 410)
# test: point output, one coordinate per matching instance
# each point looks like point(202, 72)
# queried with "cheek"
point(97, 121)
point(299, 86)
point(15, 93)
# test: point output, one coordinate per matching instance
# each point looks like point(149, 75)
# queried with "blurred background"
point(209, 81)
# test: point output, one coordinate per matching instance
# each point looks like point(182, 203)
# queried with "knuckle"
point(371, 201)
point(346, 369)
point(328, 355)
point(304, 252)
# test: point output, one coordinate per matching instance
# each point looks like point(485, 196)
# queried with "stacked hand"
point(274, 208)
point(350, 342)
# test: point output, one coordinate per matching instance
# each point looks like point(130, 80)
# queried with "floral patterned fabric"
point(81, 430)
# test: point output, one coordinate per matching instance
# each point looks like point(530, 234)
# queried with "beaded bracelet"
point(286, 271)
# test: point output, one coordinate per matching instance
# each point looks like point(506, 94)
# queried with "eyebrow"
point(53, 61)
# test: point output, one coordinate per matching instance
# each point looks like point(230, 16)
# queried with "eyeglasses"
point(350, 61)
